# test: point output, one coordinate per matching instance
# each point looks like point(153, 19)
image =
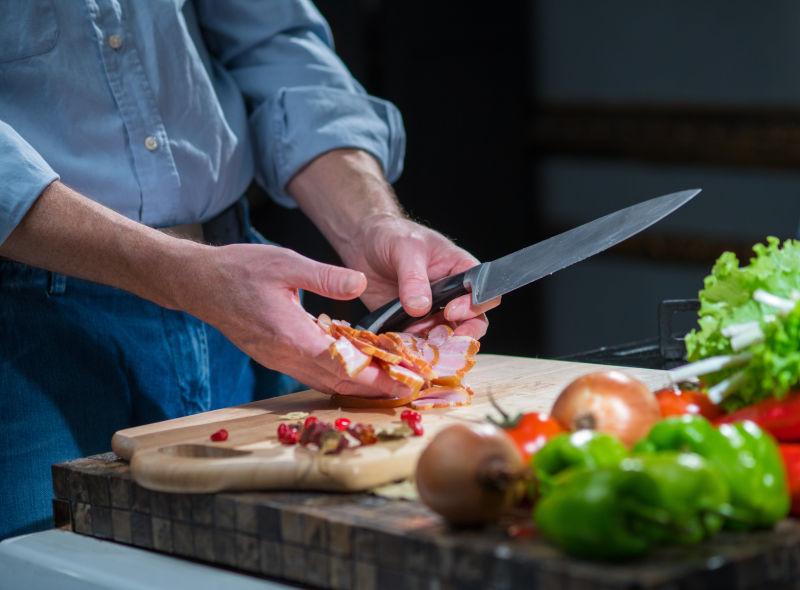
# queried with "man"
point(117, 117)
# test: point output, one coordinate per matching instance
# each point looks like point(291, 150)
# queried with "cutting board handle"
point(195, 468)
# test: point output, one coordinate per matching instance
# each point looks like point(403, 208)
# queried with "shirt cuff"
point(23, 175)
point(302, 123)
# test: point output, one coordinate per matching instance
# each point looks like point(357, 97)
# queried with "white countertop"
point(67, 561)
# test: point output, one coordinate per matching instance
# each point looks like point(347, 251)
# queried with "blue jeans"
point(79, 361)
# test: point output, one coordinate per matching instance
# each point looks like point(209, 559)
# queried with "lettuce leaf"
point(727, 299)
point(775, 366)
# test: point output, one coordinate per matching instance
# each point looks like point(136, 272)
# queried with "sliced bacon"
point(455, 359)
point(409, 341)
point(407, 377)
point(353, 360)
point(441, 397)
point(356, 401)
point(376, 351)
point(438, 335)
point(432, 367)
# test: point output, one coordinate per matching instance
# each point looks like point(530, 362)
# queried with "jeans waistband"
point(227, 227)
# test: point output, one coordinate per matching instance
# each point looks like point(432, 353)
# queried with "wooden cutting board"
point(178, 456)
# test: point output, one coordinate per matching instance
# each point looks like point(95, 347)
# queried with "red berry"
point(341, 423)
point(417, 428)
point(311, 420)
point(410, 416)
point(220, 435)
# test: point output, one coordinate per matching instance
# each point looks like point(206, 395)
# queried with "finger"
point(476, 327)
point(422, 326)
point(331, 281)
point(462, 309)
point(372, 381)
point(466, 262)
point(373, 384)
point(411, 263)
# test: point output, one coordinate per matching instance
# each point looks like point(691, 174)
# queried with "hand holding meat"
point(250, 293)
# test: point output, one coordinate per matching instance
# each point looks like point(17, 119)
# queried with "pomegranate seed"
point(220, 435)
point(417, 428)
point(310, 421)
point(341, 423)
point(286, 434)
point(410, 416)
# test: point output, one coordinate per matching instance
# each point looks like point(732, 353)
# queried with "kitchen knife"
point(498, 277)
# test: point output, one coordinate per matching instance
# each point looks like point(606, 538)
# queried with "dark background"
point(527, 118)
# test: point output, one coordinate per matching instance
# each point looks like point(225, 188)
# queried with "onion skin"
point(608, 401)
point(470, 474)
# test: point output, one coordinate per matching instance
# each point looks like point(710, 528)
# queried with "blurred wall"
point(675, 61)
point(527, 118)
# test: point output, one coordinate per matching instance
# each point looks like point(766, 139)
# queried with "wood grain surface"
point(178, 455)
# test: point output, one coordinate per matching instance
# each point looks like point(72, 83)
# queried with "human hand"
point(401, 258)
point(250, 293)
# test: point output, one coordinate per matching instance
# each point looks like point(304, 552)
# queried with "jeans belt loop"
point(56, 284)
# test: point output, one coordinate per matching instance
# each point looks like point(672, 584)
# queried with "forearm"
point(68, 233)
point(341, 191)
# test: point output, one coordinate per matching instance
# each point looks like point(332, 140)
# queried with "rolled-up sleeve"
point(302, 101)
point(23, 176)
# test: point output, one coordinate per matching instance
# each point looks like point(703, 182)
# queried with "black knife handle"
point(391, 317)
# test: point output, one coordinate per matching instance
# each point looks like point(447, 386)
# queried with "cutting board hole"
point(202, 452)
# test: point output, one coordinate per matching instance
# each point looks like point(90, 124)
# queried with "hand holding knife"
point(498, 277)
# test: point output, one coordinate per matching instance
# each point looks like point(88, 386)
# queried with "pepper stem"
point(507, 421)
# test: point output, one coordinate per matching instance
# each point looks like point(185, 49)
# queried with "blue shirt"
point(165, 110)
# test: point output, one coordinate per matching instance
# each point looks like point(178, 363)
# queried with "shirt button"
point(115, 41)
point(151, 143)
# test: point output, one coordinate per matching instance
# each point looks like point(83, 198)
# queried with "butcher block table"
point(357, 539)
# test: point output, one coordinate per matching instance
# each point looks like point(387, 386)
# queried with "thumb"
point(334, 282)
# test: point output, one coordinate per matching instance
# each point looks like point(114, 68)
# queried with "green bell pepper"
point(602, 513)
point(584, 448)
point(746, 456)
point(691, 489)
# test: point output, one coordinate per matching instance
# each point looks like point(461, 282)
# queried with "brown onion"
point(608, 401)
point(470, 474)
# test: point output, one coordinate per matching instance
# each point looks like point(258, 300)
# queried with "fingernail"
point(353, 282)
point(419, 301)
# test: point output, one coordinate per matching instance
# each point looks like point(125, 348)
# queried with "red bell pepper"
point(779, 417)
point(791, 460)
point(674, 401)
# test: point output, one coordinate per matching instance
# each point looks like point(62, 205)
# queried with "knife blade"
point(508, 273)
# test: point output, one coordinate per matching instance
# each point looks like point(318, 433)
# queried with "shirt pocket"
point(27, 28)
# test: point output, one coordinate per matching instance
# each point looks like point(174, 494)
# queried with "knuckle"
point(326, 278)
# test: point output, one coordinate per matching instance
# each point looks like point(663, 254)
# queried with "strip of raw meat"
point(438, 335)
point(376, 351)
point(441, 397)
point(405, 376)
point(355, 401)
point(437, 362)
point(353, 360)
point(455, 359)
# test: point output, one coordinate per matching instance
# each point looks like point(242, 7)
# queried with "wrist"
point(340, 191)
point(181, 268)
